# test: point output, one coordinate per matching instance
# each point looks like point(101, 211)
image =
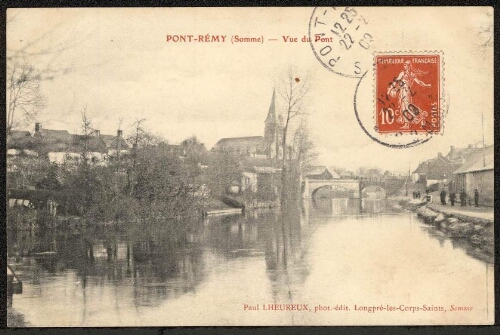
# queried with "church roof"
point(233, 143)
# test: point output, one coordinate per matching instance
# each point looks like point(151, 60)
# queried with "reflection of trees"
point(285, 250)
point(167, 262)
point(163, 261)
point(234, 236)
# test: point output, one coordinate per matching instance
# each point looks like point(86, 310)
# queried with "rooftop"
point(481, 160)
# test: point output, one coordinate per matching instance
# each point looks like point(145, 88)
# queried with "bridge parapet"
point(346, 187)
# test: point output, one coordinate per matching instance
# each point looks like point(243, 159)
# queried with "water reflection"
point(140, 275)
point(321, 209)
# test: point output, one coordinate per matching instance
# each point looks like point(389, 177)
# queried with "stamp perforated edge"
point(443, 103)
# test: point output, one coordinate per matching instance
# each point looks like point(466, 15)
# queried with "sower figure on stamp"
point(402, 86)
point(453, 196)
point(443, 196)
point(476, 197)
point(463, 198)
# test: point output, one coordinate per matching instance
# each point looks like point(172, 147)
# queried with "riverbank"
point(473, 225)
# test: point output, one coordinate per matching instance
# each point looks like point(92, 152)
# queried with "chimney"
point(119, 133)
point(440, 154)
point(452, 149)
point(38, 127)
point(97, 133)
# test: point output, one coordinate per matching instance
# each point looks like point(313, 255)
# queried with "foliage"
point(224, 170)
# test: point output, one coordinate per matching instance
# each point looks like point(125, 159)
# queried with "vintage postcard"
point(250, 166)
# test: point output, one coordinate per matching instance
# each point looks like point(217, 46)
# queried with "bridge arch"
point(324, 187)
point(373, 192)
point(341, 188)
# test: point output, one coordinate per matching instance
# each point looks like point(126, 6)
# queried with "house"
point(17, 141)
point(19, 148)
point(115, 145)
point(259, 176)
point(51, 141)
point(460, 155)
point(59, 146)
point(477, 172)
point(435, 170)
point(92, 146)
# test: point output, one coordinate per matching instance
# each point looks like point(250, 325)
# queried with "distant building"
point(433, 171)
point(20, 144)
point(59, 146)
point(115, 145)
point(259, 177)
point(477, 172)
point(373, 175)
point(251, 146)
point(92, 145)
point(460, 155)
point(267, 146)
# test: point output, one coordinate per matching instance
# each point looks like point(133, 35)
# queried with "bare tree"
point(303, 146)
point(86, 132)
point(24, 97)
point(293, 92)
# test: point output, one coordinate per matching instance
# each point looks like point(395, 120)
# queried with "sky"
point(118, 65)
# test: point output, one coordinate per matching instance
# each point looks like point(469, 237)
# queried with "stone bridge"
point(347, 188)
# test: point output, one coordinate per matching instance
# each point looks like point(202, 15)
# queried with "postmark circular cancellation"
point(399, 100)
point(341, 40)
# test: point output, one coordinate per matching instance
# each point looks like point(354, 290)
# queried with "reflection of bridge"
point(344, 188)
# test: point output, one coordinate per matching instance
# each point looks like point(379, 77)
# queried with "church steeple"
point(270, 135)
point(271, 115)
point(270, 129)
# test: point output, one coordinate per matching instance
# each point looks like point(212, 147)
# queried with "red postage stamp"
point(407, 93)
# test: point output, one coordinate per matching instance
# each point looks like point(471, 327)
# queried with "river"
point(331, 262)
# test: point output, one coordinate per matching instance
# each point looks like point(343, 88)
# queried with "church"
point(268, 146)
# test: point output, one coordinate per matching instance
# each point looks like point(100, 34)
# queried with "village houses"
point(467, 168)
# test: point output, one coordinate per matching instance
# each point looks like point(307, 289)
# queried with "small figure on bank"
point(453, 196)
point(427, 191)
point(418, 195)
point(476, 197)
point(443, 196)
point(463, 198)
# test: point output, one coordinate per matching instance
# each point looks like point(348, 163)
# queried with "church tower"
point(270, 128)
